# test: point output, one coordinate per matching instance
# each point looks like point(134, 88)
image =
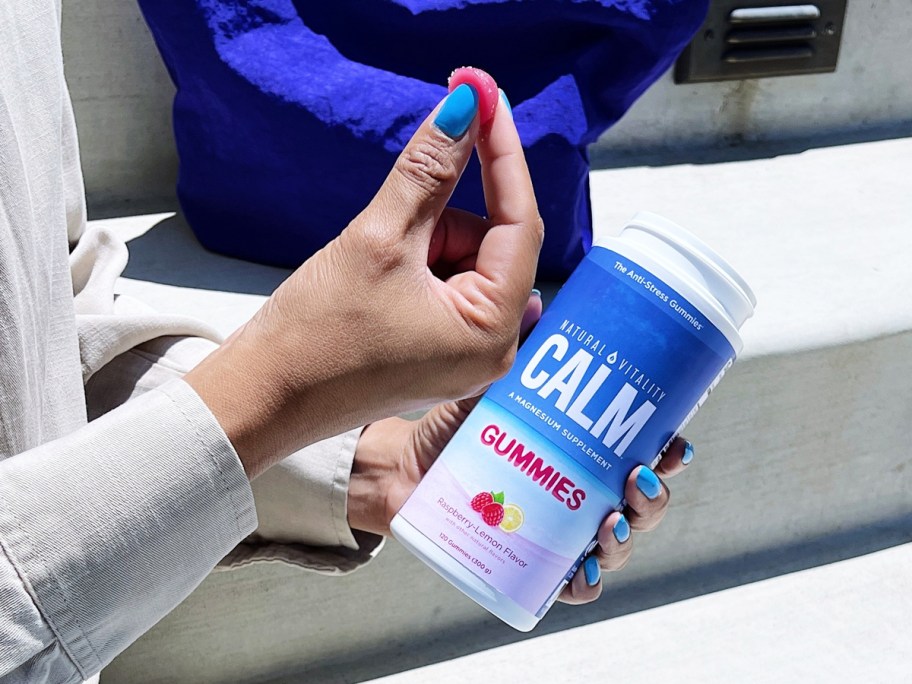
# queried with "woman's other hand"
point(394, 454)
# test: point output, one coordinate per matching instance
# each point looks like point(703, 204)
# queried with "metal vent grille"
point(742, 39)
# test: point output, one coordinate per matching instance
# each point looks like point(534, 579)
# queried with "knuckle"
point(493, 344)
point(590, 594)
point(381, 248)
point(428, 164)
point(621, 562)
point(538, 226)
point(498, 358)
point(649, 525)
point(484, 366)
point(660, 505)
point(505, 362)
point(617, 557)
point(652, 519)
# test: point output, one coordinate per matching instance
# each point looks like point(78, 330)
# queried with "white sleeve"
point(104, 531)
point(301, 503)
point(128, 348)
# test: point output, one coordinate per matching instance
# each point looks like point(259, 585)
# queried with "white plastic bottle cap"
point(701, 266)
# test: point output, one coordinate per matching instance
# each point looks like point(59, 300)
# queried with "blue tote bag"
point(289, 114)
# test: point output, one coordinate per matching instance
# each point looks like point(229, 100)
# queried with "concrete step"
point(802, 452)
point(844, 622)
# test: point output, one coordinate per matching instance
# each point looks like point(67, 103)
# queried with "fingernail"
point(622, 529)
point(458, 111)
point(648, 483)
point(536, 292)
point(688, 453)
point(503, 96)
point(592, 570)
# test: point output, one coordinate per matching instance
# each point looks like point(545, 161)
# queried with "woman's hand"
point(413, 304)
point(394, 454)
point(647, 502)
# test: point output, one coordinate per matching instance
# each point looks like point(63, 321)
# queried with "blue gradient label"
point(616, 367)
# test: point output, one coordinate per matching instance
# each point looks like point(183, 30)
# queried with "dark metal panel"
point(763, 38)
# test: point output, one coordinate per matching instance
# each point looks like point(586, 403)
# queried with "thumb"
point(418, 188)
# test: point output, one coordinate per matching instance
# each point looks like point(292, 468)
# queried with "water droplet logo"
point(612, 358)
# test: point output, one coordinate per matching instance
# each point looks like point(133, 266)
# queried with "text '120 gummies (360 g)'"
point(621, 360)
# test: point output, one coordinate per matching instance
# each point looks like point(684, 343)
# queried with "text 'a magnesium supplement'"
point(629, 349)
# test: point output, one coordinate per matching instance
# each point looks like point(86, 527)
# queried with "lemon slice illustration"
point(513, 518)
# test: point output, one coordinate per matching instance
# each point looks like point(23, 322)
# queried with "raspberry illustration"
point(481, 500)
point(493, 514)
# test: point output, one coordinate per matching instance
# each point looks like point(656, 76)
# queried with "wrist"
point(239, 393)
point(373, 491)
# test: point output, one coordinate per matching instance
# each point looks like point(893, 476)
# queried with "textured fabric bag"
point(289, 115)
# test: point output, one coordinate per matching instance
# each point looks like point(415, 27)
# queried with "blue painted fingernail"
point(458, 111)
point(648, 483)
point(622, 529)
point(536, 292)
point(688, 453)
point(503, 96)
point(592, 570)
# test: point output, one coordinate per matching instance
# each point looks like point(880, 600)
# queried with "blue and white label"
point(617, 365)
point(614, 367)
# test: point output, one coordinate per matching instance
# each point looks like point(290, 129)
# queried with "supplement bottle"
point(621, 360)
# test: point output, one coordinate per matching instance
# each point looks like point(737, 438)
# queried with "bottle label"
point(616, 365)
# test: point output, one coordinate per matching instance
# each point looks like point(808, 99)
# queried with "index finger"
point(509, 252)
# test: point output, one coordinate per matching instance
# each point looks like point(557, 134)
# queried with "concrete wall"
point(121, 95)
point(122, 99)
point(868, 96)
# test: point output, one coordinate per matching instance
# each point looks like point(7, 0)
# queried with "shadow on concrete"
point(739, 149)
point(170, 254)
point(618, 600)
